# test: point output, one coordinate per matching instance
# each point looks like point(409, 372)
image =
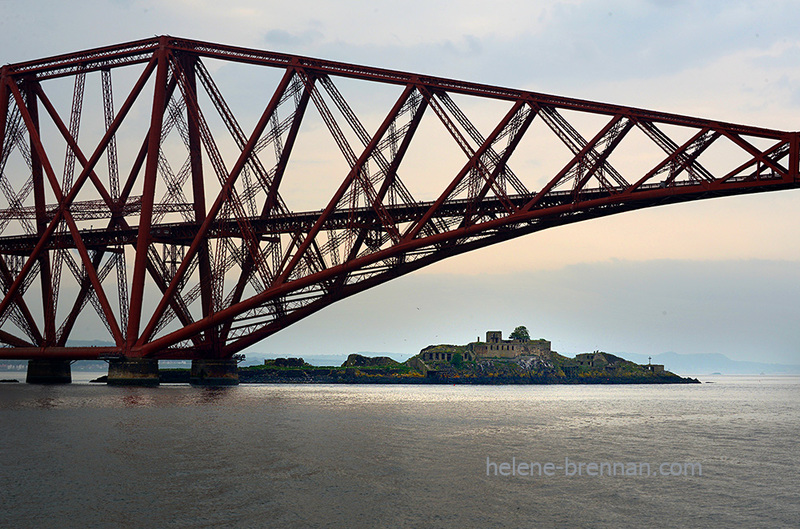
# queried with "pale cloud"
point(362, 23)
point(729, 228)
point(737, 308)
point(752, 86)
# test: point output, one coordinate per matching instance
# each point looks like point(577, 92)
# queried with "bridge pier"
point(214, 372)
point(47, 371)
point(133, 372)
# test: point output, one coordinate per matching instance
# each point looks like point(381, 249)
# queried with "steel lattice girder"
point(240, 265)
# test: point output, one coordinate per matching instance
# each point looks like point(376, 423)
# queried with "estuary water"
point(720, 454)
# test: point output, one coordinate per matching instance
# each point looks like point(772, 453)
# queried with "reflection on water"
point(393, 456)
point(46, 402)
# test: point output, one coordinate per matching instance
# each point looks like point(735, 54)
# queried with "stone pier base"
point(133, 372)
point(46, 371)
point(214, 372)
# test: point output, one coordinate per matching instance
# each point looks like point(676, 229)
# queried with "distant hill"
point(707, 363)
point(89, 343)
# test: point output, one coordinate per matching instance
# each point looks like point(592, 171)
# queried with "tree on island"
point(520, 333)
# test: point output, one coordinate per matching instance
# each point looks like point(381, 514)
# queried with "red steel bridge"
point(133, 193)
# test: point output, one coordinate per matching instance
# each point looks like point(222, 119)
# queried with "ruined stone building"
point(493, 347)
point(439, 355)
point(496, 347)
point(598, 359)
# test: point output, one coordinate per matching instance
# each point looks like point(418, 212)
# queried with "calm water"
point(399, 456)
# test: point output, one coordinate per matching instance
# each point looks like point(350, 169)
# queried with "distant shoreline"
point(488, 381)
point(333, 375)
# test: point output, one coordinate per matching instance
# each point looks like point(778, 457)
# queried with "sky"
point(717, 276)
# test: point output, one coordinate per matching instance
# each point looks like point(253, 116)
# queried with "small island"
point(517, 360)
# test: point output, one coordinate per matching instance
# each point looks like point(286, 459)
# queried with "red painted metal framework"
point(238, 265)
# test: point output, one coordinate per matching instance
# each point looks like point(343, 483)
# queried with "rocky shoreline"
point(305, 377)
point(333, 376)
point(360, 369)
point(524, 370)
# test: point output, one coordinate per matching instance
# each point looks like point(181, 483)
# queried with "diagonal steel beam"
point(273, 198)
point(65, 203)
point(221, 198)
point(67, 217)
point(345, 185)
point(472, 163)
point(577, 158)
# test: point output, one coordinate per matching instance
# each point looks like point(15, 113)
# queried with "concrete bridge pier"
point(48, 371)
point(133, 372)
point(214, 372)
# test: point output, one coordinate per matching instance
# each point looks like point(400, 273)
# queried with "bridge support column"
point(46, 371)
point(133, 372)
point(215, 372)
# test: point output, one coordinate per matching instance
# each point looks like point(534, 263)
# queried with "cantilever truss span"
point(179, 236)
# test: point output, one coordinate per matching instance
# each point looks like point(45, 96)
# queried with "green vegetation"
point(446, 348)
point(520, 333)
point(458, 360)
point(451, 365)
point(544, 368)
point(296, 369)
point(564, 366)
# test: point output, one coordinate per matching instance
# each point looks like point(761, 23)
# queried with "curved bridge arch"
point(199, 255)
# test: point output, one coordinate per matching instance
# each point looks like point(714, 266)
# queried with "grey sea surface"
point(720, 454)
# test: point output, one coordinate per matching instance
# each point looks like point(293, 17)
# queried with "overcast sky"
point(720, 276)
